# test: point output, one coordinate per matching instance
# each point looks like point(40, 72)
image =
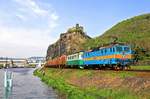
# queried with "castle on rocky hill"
point(69, 42)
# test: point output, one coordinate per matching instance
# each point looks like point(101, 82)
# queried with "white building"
point(36, 60)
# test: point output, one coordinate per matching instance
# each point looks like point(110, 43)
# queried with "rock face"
point(69, 42)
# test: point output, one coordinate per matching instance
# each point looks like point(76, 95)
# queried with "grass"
point(32, 65)
point(90, 73)
point(120, 74)
point(1, 65)
point(140, 67)
point(109, 93)
point(57, 78)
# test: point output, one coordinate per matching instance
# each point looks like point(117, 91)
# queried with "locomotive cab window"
point(105, 50)
point(87, 54)
point(110, 49)
point(101, 51)
point(119, 49)
point(126, 49)
point(113, 49)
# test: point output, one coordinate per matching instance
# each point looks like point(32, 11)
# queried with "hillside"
point(134, 31)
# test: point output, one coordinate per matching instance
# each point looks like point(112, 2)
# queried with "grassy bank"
point(93, 84)
point(140, 67)
point(71, 92)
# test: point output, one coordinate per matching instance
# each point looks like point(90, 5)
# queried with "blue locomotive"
point(117, 56)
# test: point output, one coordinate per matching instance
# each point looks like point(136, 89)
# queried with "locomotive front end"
point(123, 56)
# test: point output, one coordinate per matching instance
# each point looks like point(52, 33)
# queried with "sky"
point(28, 27)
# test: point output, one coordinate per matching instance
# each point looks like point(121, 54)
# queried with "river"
point(25, 86)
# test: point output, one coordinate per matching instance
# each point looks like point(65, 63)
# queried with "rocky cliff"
point(69, 42)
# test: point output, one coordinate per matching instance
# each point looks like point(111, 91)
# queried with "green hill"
point(134, 31)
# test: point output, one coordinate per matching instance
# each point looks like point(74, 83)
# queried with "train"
point(113, 56)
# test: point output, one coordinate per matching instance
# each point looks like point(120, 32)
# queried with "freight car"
point(57, 62)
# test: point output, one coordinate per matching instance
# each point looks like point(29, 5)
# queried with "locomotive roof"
point(76, 52)
point(110, 45)
point(107, 46)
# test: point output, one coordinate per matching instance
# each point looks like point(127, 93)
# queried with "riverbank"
point(97, 84)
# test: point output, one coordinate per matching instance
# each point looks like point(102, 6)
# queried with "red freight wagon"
point(49, 63)
point(62, 60)
point(57, 62)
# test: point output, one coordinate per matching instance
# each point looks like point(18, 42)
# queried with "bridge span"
point(13, 62)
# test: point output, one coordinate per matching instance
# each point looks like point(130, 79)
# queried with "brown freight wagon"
point(57, 62)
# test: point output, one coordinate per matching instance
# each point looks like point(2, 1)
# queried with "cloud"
point(20, 42)
point(33, 6)
point(54, 16)
point(27, 31)
point(29, 8)
point(21, 17)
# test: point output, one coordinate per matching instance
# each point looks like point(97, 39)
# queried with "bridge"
point(13, 62)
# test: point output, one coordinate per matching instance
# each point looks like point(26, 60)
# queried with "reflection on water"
point(8, 84)
point(25, 86)
point(8, 92)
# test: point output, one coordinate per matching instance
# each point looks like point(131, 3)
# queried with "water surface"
point(25, 86)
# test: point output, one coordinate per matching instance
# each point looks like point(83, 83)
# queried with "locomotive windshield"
point(126, 49)
point(119, 49)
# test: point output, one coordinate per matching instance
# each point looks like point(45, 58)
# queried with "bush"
point(1, 65)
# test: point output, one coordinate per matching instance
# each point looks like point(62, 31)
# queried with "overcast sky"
point(27, 27)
